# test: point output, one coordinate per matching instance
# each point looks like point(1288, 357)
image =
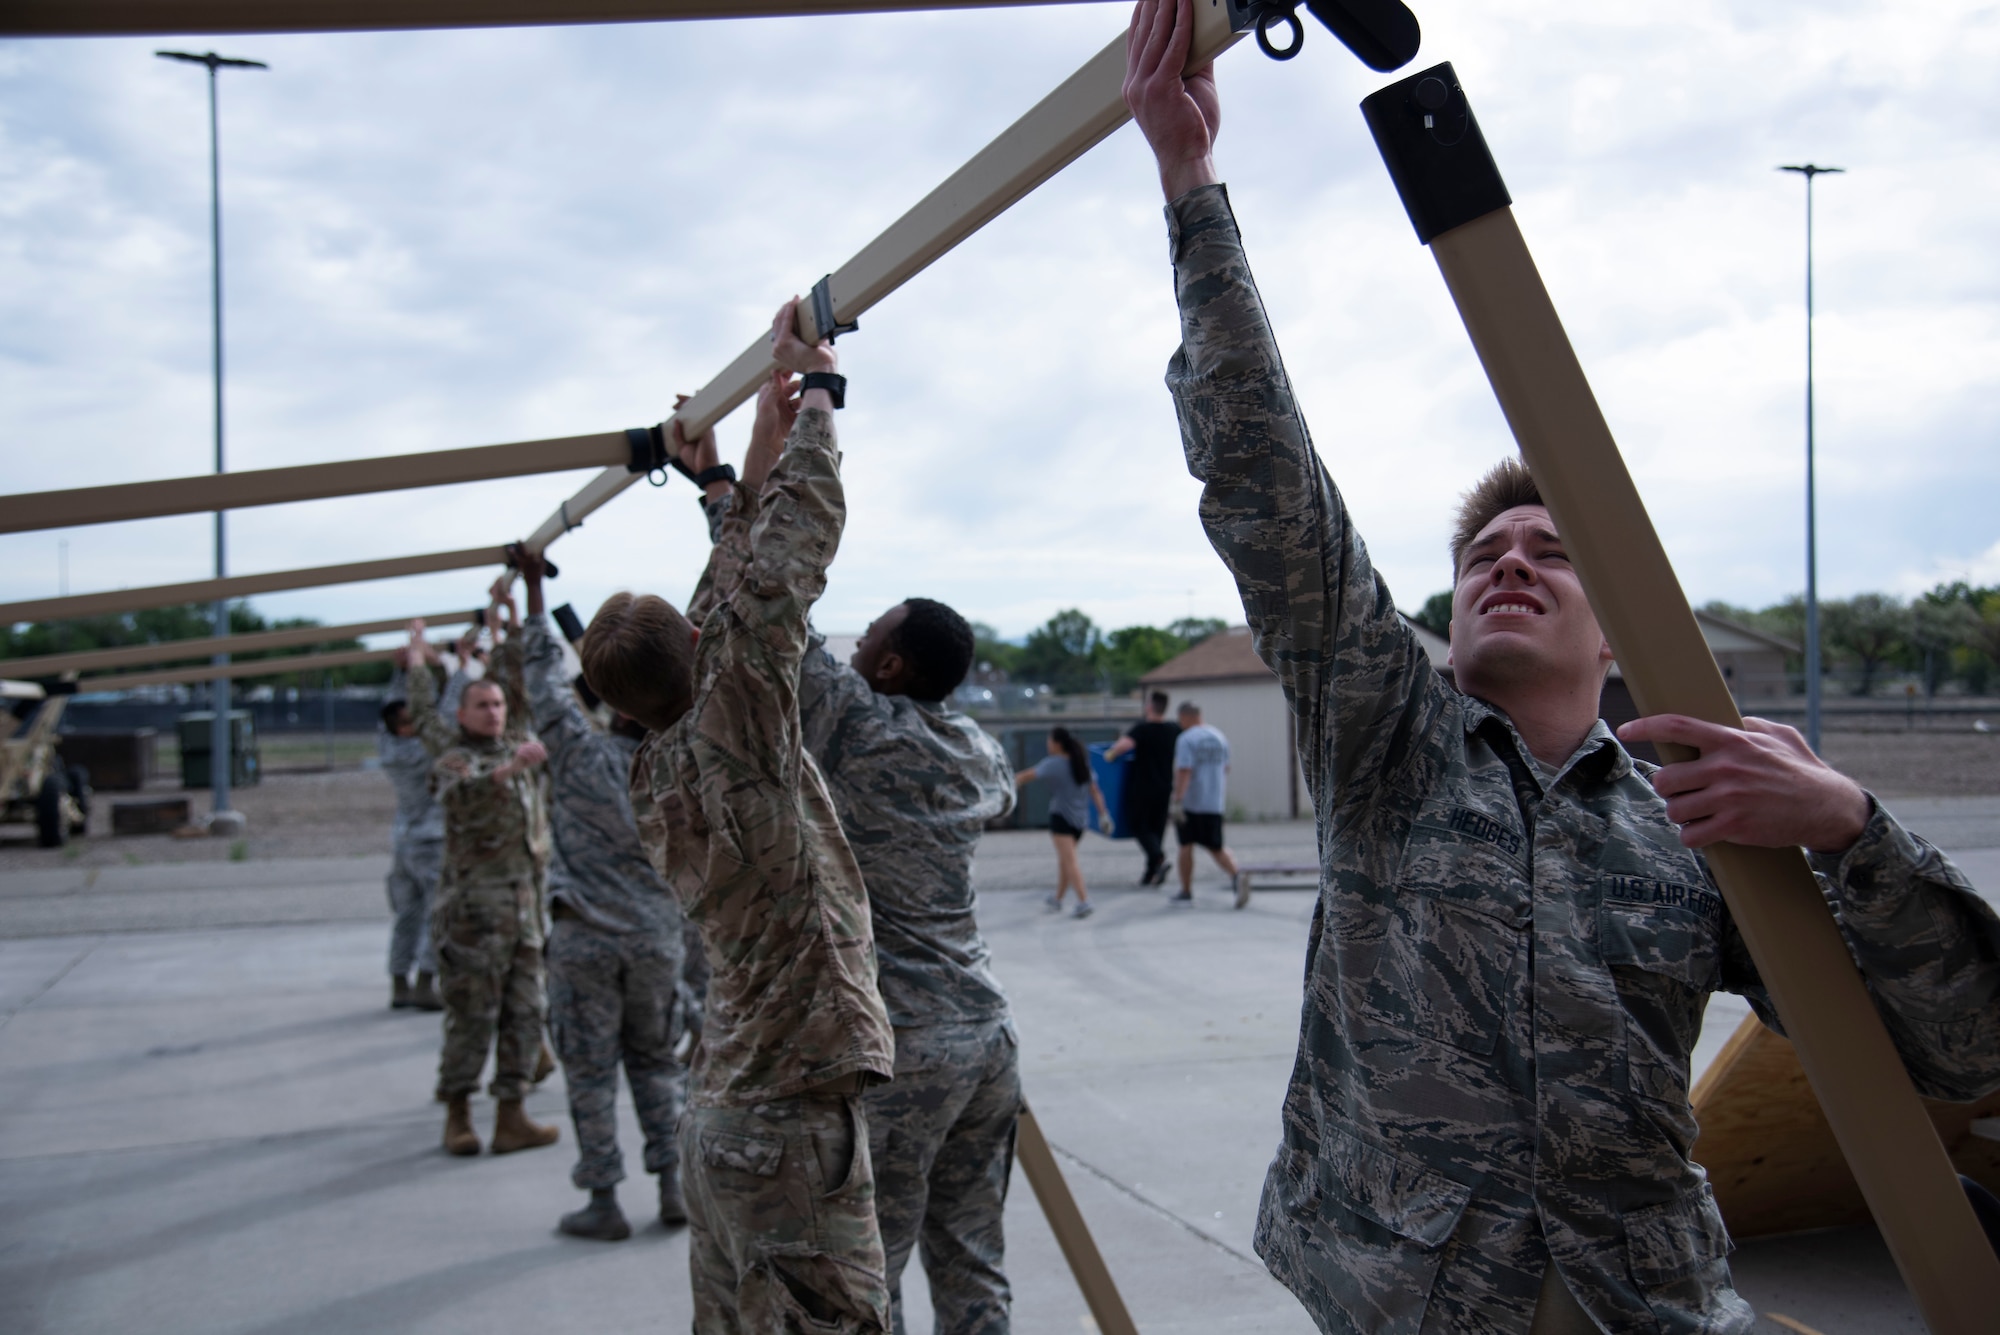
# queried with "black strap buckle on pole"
point(822, 304)
point(650, 454)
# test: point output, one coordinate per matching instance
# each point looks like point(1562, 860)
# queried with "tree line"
point(187, 621)
point(1069, 653)
point(1950, 634)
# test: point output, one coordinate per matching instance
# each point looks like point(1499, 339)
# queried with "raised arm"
point(1323, 620)
point(557, 714)
point(434, 729)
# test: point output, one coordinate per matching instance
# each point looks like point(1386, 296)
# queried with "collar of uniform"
point(475, 743)
point(1600, 741)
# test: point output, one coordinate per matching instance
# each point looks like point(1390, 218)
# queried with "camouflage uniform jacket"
point(599, 868)
point(495, 834)
point(1505, 972)
point(737, 818)
point(915, 785)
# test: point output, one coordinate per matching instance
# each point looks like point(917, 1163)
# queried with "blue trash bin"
point(1110, 776)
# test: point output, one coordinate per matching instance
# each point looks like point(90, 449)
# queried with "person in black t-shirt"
point(1149, 785)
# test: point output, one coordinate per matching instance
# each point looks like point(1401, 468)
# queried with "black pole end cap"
point(569, 623)
point(1431, 144)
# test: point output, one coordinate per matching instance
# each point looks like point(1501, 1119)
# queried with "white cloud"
point(443, 239)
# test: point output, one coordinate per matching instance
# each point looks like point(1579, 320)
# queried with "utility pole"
point(221, 819)
point(1810, 170)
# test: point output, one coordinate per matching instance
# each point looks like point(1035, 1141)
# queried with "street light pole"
point(219, 738)
point(1810, 170)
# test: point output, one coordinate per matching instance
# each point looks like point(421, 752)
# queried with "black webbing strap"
point(650, 454)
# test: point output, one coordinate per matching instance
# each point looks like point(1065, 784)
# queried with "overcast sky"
point(447, 239)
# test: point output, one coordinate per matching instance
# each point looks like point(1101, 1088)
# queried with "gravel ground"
point(1917, 764)
point(346, 813)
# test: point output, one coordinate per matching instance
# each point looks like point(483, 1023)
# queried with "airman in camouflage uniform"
point(416, 849)
point(614, 950)
point(915, 783)
point(737, 818)
point(488, 919)
point(1488, 1119)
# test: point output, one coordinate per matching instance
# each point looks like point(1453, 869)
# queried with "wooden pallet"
point(1770, 1154)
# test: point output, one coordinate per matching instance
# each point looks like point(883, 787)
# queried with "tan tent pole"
point(263, 667)
point(1100, 1294)
point(1056, 131)
point(1455, 198)
point(30, 511)
point(99, 18)
point(244, 586)
point(168, 651)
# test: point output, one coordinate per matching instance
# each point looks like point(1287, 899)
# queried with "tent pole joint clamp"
point(822, 307)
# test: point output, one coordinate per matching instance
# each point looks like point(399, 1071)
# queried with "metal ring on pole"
point(1274, 15)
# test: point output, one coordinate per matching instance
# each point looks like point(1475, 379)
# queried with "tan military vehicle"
point(35, 787)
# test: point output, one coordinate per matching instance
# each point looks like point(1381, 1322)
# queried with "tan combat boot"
point(424, 996)
point(459, 1137)
point(513, 1131)
point(399, 992)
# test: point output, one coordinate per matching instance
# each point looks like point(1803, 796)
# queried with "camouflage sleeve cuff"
point(736, 500)
point(1879, 868)
point(1194, 216)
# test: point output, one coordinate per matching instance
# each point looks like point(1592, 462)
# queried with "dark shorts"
point(1058, 825)
point(1200, 827)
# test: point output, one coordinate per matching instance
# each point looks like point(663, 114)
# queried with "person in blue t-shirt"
point(1201, 781)
point(1072, 788)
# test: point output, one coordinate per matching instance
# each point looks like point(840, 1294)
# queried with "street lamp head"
point(1810, 170)
point(212, 61)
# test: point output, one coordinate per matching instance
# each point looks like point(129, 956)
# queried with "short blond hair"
point(1506, 485)
point(638, 655)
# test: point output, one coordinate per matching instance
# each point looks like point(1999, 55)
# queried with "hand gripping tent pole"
point(1455, 198)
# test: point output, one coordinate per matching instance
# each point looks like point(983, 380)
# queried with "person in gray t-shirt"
point(1201, 780)
point(1072, 788)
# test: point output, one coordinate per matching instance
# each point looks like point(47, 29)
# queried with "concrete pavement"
point(210, 1122)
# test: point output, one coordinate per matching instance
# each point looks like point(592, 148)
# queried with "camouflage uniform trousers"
point(413, 881)
point(942, 1137)
point(615, 997)
point(490, 977)
point(782, 1238)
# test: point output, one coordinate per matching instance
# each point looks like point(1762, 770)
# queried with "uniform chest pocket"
point(1661, 942)
point(1661, 927)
